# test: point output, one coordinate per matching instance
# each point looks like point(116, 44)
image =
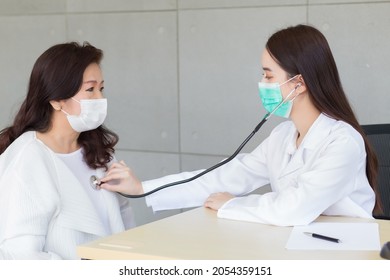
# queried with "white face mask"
point(93, 112)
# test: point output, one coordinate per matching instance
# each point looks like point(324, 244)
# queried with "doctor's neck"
point(304, 114)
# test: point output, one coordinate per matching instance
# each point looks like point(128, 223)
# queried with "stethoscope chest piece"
point(94, 182)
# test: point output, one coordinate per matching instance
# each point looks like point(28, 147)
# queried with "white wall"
point(181, 76)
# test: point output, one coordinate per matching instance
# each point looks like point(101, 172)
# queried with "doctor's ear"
point(301, 86)
point(56, 105)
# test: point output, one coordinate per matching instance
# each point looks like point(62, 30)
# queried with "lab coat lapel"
point(292, 160)
point(316, 134)
point(77, 210)
point(296, 163)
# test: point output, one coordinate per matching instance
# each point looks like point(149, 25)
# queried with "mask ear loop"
point(74, 99)
point(268, 115)
point(291, 92)
point(288, 95)
point(66, 113)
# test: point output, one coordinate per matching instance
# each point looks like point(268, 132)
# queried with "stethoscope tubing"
point(223, 162)
point(94, 181)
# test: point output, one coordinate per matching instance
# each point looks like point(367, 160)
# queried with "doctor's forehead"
point(267, 61)
point(270, 65)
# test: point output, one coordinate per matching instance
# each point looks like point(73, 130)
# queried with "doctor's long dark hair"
point(57, 75)
point(304, 50)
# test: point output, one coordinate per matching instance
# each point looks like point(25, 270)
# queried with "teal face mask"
point(271, 97)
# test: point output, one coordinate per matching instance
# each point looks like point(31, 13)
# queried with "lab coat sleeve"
point(26, 208)
point(242, 175)
point(327, 181)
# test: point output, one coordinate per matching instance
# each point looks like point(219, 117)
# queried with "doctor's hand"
point(216, 200)
point(120, 178)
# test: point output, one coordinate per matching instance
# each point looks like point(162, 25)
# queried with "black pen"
point(327, 238)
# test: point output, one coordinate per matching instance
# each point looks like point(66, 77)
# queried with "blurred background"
point(181, 75)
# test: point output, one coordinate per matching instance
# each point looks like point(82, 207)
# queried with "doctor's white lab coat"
point(325, 175)
point(44, 211)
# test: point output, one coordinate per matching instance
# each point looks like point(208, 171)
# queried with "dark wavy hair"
point(57, 75)
point(304, 50)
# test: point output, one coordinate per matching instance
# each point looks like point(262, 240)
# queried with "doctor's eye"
point(90, 89)
point(265, 76)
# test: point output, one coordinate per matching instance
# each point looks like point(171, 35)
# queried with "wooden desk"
point(199, 235)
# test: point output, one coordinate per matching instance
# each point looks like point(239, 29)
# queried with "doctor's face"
point(273, 73)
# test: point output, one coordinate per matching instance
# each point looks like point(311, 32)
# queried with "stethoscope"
point(94, 180)
point(95, 184)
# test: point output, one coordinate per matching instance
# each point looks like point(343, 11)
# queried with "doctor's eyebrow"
point(267, 69)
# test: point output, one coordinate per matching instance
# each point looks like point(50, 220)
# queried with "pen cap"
point(385, 252)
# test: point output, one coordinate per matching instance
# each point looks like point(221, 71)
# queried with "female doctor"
point(56, 143)
point(319, 162)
